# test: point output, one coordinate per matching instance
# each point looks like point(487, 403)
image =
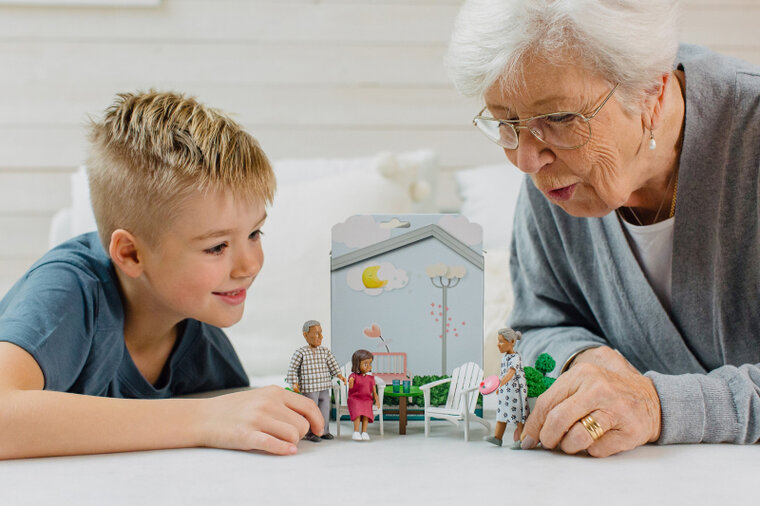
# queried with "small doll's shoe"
point(312, 437)
point(494, 440)
point(365, 436)
point(327, 436)
point(356, 436)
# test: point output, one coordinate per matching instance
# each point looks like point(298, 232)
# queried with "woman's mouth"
point(562, 194)
point(233, 297)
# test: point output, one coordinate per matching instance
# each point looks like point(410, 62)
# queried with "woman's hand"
point(270, 419)
point(600, 383)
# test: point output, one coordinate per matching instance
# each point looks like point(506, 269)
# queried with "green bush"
point(536, 378)
point(545, 363)
point(535, 381)
point(438, 394)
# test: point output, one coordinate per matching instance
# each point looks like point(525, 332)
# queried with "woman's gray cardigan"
point(578, 285)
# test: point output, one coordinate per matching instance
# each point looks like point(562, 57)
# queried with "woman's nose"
point(531, 154)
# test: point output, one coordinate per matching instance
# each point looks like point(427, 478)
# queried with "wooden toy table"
point(402, 405)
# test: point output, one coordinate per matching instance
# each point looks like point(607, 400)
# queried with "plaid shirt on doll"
point(312, 369)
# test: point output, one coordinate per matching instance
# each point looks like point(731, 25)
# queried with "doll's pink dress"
point(360, 398)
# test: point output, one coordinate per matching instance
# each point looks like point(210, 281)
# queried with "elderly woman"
point(636, 244)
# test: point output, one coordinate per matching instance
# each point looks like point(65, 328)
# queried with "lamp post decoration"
point(444, 277)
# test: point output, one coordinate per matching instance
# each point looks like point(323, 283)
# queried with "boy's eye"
point(216, 250)
point(256, 235)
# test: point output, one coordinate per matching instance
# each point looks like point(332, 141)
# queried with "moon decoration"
point(371, 279)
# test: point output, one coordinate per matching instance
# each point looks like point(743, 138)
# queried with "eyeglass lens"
point(561, 130)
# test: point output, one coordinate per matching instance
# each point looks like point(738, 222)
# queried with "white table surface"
point(393, 469)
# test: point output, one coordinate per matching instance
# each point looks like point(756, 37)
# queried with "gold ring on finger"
point(592, 427)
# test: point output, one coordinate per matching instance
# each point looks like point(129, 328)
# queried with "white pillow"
point(489, 194)
point(294, 284)
point(77, 219)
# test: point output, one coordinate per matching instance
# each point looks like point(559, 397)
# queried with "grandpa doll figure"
point(310, 373)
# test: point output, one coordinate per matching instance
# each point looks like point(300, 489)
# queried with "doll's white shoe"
point(365, 436)
point(356, 436)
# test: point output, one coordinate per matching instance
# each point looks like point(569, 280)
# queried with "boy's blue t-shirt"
point(67, 312)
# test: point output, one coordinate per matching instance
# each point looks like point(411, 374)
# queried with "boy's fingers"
point(296, 420)
point(306, 408)
point(283, 430)
point(270, 444)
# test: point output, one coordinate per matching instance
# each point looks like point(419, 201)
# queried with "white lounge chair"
point(340, 394)
point(461, 401)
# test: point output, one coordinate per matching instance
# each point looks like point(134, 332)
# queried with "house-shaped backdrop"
point(408, 286)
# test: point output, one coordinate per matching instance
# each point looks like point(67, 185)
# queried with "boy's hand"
point(269, 419)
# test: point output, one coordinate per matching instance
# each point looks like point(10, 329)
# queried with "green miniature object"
point(536, 377)
point(438, 394)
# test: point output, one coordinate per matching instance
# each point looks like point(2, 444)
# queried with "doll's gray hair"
point(510, 335)
point(309, 324)
point(631, 42)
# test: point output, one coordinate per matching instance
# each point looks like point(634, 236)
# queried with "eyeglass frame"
point(514, 123)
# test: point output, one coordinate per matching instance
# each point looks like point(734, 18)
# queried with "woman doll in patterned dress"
point(513, 390)
point(361, 393)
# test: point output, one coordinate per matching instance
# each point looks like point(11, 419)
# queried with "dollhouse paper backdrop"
point(408, 288)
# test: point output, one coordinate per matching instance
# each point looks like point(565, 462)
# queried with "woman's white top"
point(652, 246)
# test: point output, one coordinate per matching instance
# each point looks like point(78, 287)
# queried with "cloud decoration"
point(359, 231)
point(461, 228)
point(376, 278)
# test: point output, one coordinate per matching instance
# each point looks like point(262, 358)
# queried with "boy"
point(98, 334)
point(310, 371)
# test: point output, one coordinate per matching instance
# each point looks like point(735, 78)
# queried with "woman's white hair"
point(510, 335)
point(631, 42)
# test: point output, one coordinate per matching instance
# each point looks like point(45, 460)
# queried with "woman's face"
point(590, 181)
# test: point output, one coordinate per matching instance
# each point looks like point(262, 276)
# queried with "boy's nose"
point(248, 262)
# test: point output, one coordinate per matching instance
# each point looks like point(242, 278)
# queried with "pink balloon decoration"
point(373, 331)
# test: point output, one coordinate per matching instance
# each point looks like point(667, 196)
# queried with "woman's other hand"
point(600, 383)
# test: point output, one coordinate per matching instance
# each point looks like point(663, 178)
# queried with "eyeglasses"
point(562, 130)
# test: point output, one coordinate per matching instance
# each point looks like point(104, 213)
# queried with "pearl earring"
point(652, 143)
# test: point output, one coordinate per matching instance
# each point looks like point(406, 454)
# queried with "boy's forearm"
point(35, 423)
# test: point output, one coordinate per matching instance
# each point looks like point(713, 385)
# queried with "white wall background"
point(309, 78)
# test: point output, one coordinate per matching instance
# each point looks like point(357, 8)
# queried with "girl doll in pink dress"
point(361, 393)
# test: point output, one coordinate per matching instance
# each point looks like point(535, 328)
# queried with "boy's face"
point(208, 258)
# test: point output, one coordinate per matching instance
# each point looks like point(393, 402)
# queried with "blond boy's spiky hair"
point(153, 150)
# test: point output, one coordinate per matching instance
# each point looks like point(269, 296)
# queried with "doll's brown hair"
point(357, 358)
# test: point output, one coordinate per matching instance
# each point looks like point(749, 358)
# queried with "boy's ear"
point(125, 254)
